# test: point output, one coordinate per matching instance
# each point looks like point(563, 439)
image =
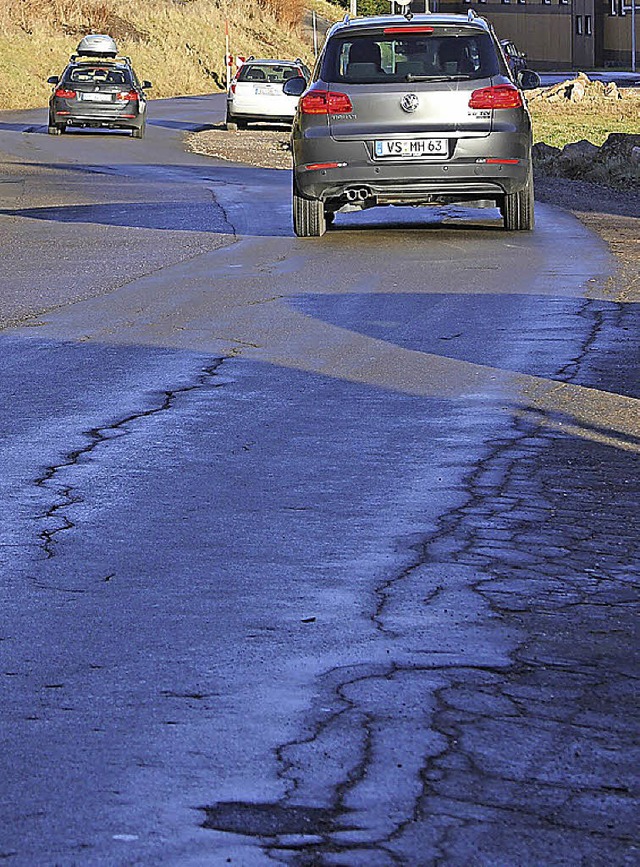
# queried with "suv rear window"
point(371, 58)
point(267, 72)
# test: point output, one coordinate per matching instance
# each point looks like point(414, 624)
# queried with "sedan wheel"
point(53, 128)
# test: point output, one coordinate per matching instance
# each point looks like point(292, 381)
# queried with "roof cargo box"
point(97, 45)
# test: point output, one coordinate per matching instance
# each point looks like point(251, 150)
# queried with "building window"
point(587, 25)
point(578, 25)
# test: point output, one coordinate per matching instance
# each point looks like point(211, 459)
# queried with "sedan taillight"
point(498, 96)
point(325, 102)
point(63, 93)
point(127, 95)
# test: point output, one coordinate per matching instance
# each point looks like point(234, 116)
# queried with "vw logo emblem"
point(409, 102)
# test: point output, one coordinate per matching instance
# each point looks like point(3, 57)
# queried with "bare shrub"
point(71, 17)
point(288, 13)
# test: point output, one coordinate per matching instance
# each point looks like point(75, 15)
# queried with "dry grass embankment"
point(590, 131)
point(580, 109)
point(178, 44)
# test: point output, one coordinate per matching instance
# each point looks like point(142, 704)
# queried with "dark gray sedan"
point(98, 92)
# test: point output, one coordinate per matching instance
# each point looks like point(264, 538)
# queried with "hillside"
point(178, 44)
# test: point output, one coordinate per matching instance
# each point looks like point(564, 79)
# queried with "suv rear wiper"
point(463, 77)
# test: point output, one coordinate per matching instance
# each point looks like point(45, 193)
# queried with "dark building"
point(559, 34)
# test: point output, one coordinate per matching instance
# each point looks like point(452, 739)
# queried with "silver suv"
point(410, 110)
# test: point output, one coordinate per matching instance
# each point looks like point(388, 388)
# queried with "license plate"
point(265, 90)
point(409, 148)
point(96, 97)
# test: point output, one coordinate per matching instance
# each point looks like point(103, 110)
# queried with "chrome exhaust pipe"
point(357, 194)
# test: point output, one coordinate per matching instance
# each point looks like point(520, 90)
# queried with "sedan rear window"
point(267, 72)
point(98, 75)
point(386, 57)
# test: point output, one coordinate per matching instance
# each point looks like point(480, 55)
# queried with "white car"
point(256, 94)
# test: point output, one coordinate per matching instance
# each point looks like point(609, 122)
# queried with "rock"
point(619, 146)
point(578, 91)
point(544, 153)
point(583, 149)
point(576, 159)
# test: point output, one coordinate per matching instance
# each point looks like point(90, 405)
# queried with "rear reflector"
point(407, 30)
point(315, 166)
point(325, 102)
point(502, 162)
point(63, 93)
point(498, 96)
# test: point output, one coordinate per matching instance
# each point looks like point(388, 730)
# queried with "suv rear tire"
point(518, 210)
point(309, 219)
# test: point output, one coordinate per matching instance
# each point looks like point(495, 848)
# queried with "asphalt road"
point(314, 552)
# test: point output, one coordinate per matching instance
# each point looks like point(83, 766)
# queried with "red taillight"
point(233, 87)
point(498, 96)
point(128, 95)
point(325, 102)
point(408, 30)
point(63, 93)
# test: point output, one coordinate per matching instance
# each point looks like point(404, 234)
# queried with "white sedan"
point(255, 94)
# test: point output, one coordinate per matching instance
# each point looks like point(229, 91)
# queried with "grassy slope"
point(179, 46)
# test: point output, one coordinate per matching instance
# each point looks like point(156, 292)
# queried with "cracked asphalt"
point(314, 552)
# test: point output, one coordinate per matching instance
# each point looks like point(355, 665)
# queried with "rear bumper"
point(106, 116)
point(468, 175)
point(263, 109)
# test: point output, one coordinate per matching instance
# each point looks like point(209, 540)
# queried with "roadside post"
point(632, 8)
point(633, 36)
point(227, 54)
point(315, 32)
